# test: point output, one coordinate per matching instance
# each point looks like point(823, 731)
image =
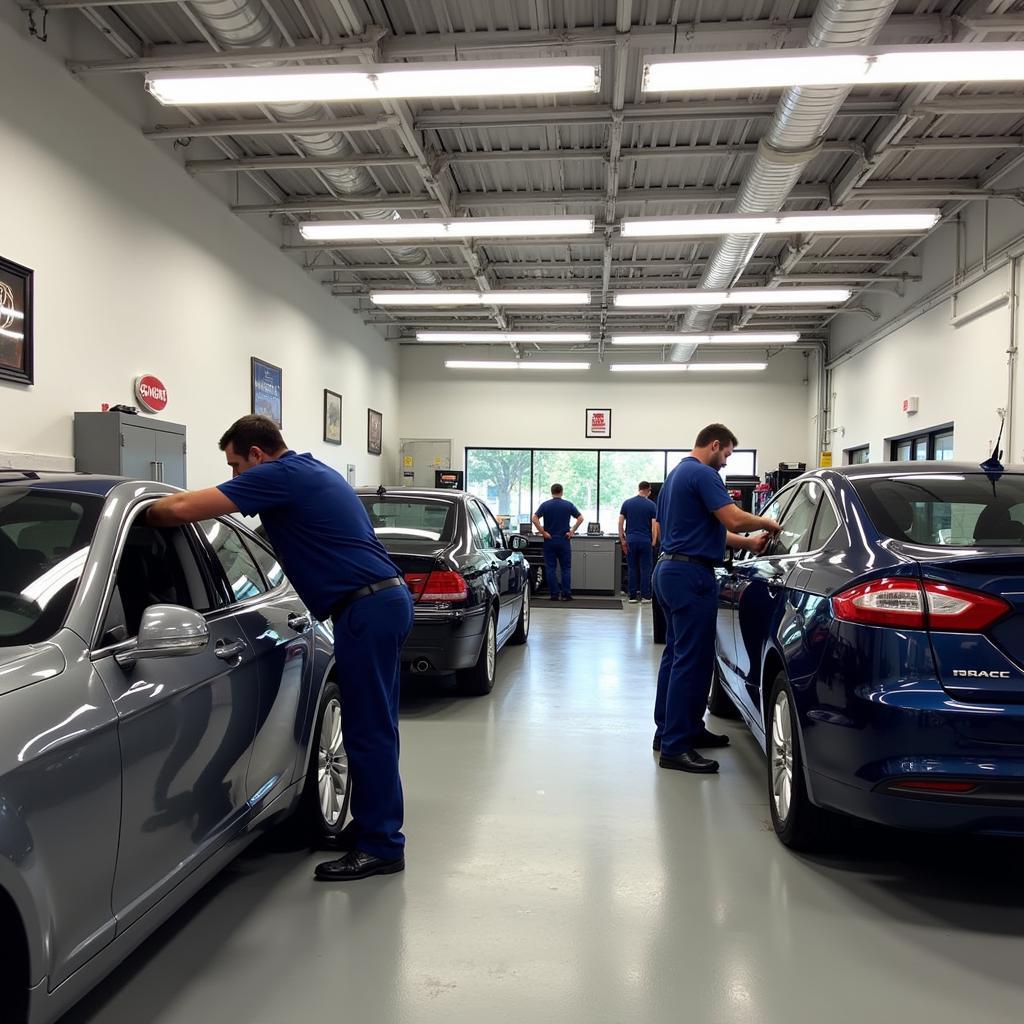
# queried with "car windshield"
point(958, 510)
point(406, 517)
point(44, 541)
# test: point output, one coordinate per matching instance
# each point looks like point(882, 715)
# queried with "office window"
point(742, 462)
point(500, 478)
point(858, 456)
point(929, 445)
point(575, 470)
point(620, 473)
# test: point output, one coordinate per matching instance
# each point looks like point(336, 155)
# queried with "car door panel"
point(507, 576)
point(486, 564)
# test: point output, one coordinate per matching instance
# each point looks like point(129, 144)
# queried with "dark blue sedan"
point(876, 649)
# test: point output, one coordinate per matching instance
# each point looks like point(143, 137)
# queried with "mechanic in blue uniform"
point(638, 534)
point(323, 539)
point(698, 520)
point(556, 513)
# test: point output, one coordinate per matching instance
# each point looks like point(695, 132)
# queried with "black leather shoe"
point(710, 739)
point(688, 761)
point(567, 597)
point(344, 841)
point(656, 745)
point(356, 864)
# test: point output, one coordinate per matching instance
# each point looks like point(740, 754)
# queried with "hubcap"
point(782, 756)
point(526, 610)
point(333, 765)
point(492, 652)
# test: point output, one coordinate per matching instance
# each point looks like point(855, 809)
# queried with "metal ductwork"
point(246, 23)
point(792, 141)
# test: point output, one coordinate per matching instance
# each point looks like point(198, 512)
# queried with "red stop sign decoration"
point(151, 393)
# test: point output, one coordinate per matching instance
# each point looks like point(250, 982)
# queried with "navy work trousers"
point(639, 561)
point(689, 596)
point(558, 551)
point(368, 638)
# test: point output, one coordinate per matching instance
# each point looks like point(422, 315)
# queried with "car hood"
point(20, 666)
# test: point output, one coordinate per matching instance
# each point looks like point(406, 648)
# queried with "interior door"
point(421, 456)
point(185, 724)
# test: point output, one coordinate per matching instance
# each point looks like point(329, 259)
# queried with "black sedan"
point(469, 580)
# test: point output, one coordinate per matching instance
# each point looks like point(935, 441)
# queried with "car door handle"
point(300, 623)
point(228, 650)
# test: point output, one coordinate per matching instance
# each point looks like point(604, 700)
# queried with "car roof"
point(894, 469)
point(79, 483)
point(416, 492)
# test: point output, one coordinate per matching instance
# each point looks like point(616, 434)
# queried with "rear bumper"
point(447, 640)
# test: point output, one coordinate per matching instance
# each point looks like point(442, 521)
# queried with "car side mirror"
point(166, 631)
point(517, 542)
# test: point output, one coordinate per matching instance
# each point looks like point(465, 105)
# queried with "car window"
point(496, 531)
point(267, 561)
point(44, 543)
point(412, 517)
point(796, 521)
point(243, 575)
point(777, 505)
point(156, 566)
point(824, 526)
point(481, 528)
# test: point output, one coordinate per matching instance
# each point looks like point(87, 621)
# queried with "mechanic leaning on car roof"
point(697, 519)
point(323, 539)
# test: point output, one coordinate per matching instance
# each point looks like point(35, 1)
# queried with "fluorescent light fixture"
point(499, 337)
point(839, 222)
point(494, 298)
point(728, 338)
point(724, 367)
point(683, 367)
point(736, 297)
point(8, 311)
point(467, 227)
point(869, 65)
point(492, 364)
point(376, 82)
point(11, 334)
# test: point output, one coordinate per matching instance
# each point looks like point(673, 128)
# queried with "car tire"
point(478, 680)
point(327, 793)
point(720, 704)
point(797, 822)
point(522, 632)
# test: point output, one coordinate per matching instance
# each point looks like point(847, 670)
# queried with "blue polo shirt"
point(317, 525)
point(557, 513)
point(640, 512)
point(688, 500)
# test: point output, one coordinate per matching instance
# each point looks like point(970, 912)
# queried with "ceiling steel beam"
point(254, 127)
point(319, 204)
point(966, 105)
point(298, 163)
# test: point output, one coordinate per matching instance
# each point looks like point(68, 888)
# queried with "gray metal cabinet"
point(595, 564)
point(124, 445)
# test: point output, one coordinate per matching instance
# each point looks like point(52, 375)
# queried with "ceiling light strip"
point(499, 337)
point(734, 297)
point(491, 298)
point(480, 364)
point(728, 338)
point(685, 367)
point(840, 222)
point(468, 227)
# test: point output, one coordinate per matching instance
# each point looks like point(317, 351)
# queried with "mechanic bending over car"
point(698, 521)
point(322, 536)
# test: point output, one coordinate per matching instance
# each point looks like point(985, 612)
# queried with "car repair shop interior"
point(461, 251)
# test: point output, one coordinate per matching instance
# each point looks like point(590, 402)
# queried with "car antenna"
point(381, 491)
point(992, 466)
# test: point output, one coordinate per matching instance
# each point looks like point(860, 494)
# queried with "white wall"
point(960, 374)
point(767, 411)
point(141, 270)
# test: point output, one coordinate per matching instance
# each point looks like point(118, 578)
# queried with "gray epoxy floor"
point(556, 874)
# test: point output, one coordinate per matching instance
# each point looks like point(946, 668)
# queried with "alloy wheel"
point(492, 647)
point(526, 610)
point(782, 755)
point(333, 764)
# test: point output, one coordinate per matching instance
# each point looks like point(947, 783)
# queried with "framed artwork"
point(332, 417)
point(16, 350)
point(599, 423)
point(266, 389)
point(374, 431)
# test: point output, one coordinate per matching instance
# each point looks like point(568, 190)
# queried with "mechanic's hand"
point(759, 543)
point(545, 534)
point(625, 548)
point(771, 526)
point(570, 535)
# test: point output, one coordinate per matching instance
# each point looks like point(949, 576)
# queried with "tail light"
point(910, 604)
point(437, 587)
point(932, 786)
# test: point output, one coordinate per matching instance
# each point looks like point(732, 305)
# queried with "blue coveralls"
point(640, 513)
point(688, 593)
point(557, 514)
point(323, 539)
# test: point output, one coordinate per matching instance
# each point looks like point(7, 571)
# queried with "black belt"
point(670, 556)
point(371, 588)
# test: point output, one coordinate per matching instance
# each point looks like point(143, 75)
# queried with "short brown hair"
point(253, 432)
point(716, 432)
point(556, 488)
point(643, 486)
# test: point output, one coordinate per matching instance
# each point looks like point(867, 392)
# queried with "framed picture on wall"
point(374, 431)
point(332, 417)
point(16, 350)
point(599, 423)
point(267, 386)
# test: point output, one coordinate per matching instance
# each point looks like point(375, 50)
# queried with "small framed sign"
point(599, 423)
point(16, 348)
point(332, 417)
point(374, 431)
point(267, 386)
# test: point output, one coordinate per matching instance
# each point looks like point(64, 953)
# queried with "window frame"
point(856, 450)
point(218, 571)
point(929, 436)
